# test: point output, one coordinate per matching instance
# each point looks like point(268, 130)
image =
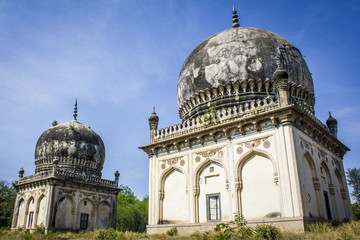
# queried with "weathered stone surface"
point(240, 54)
point(72, 140)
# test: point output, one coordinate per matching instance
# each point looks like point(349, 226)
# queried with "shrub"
point(109, 234)
point(172, 231)
point(39, 229)
point(320, 227)
point(267, 232)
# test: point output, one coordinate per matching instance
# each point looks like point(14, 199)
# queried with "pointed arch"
point(20, 213)
point(201, 190)
point(167, 172)
point(310, 185)
point(328, 192)
point(64, 208)
point(40, 215)
point(311, 162)
point(169, 198)
point(86, 206)
point(103, 212)
point(256, 181)
point(340, 196)
point(206, 163)
point(248, 155)
point(30, 212)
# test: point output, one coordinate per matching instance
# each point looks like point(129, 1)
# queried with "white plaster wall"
point(175, 203)
point(88, 209)
point(212, 183)
point(103, 216)
point(64, 214)
point(260, 194)
point(310, 197)
point(41, 217)
point(338, 198)
point(21, 215)
point(31, 208)
point(306, 145)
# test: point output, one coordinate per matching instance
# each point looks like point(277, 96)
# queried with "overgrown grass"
point(317, 231)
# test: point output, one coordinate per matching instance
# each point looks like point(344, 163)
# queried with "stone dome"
point(237, 55)
point(74, 146)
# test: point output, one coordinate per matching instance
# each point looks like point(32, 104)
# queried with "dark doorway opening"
point(84, 218)
point(327, 205)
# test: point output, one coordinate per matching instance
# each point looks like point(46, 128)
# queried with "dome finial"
point(235, 19)
point(75, 110)
point(154, 109)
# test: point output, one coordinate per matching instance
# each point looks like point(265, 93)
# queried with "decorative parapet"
point(59, 173)
point(225, 115)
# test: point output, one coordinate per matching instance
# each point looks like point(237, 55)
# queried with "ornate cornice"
point(234, 127)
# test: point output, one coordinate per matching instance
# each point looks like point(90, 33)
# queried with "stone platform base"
point(297, 224)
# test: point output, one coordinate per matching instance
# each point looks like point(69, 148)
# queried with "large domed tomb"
point(67, 193)
point(237, 65)
point(77, 147)
point(248, 144)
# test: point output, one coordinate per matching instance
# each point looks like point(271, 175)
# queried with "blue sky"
point(119, 58)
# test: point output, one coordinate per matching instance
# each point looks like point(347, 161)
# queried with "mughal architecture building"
point(249, 142)
point(67, 191)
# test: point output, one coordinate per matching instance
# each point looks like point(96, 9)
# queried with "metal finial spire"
point(235, 19)
point(329, 114)
point(75, 110)
point(154, 109)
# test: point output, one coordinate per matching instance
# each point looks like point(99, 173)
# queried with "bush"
point(109, 234)
point(172, 232)
point(320, 227)
point(39, 229)
point(267, 231)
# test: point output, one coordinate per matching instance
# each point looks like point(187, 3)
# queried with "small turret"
point(331, 123)
point(153, 124)
point(117, 174)
point(281, 78)
point(21, 173)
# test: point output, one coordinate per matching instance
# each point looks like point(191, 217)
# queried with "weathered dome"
point(240, 54)
point(74, 146)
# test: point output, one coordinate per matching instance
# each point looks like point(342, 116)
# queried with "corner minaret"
point(331, 123)
point(153, 124)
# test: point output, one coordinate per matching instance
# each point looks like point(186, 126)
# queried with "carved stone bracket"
point(331, 189)
point(343, 193)
point(254, 143)
point(238, 185)
point(196, 191)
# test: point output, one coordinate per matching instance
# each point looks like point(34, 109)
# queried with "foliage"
point(109, 234)
point(71, 127)
point(39, 229)
point(7, 201)
point(267, 232)
point(210, 118)
point(172, 231)
point(320, 227)
point(132, 214)
point(239, 231)
point(353, 177)
point(54, 123)
point(356, 210)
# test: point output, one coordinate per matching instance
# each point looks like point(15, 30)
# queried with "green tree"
point(353, 177)
point(132, 214)
point(7, 201)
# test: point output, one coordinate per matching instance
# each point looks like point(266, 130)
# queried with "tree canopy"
point(353, 178)
point(7, 200)
point(132, 214)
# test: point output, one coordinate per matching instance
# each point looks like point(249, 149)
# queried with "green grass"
point(317, 231)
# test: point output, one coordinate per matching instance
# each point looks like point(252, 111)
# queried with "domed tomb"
point(75, 147)
point(237, 65)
